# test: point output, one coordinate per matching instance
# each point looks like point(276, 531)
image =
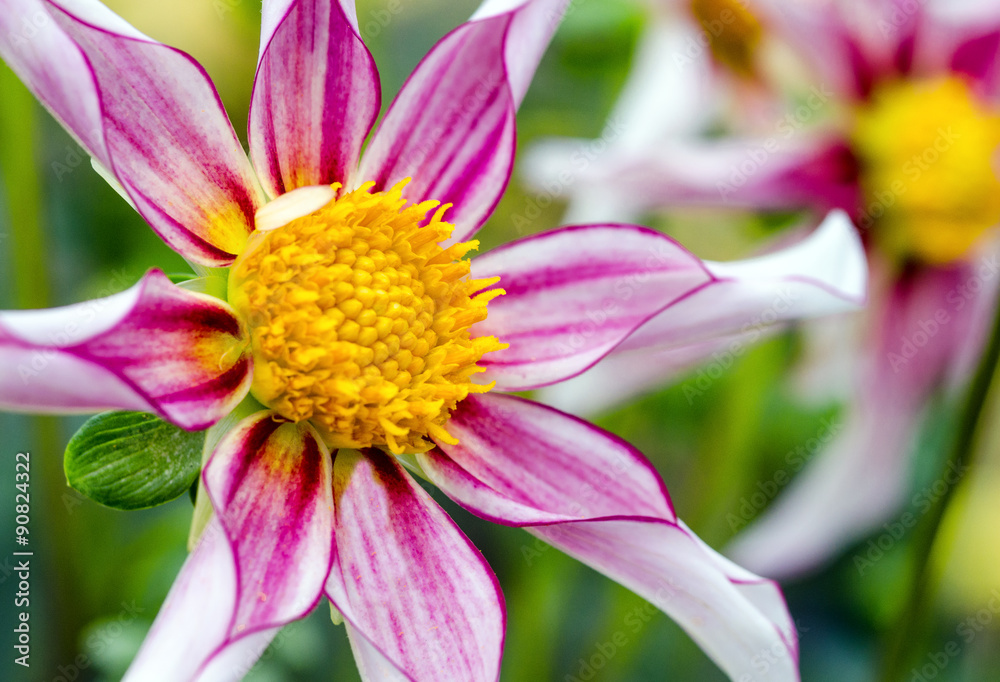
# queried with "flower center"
point(927, 150)
point(359, 321)
point(732, 31)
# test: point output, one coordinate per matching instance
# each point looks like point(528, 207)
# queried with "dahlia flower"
point(339, 338)
point(897, 122)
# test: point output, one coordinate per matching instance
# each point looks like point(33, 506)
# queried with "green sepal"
point(181, 277)
point(132, 460)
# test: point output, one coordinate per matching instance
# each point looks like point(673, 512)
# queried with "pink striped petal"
point(574, 294)
point(451, 128)
point(921, 329)
point(261, 562)
point(155, 347)
point(421, 598)
point(316, 95)
point(824, 274)
point(509, 450)
point(189, 639)
point(145, 111)
point(270, 486)
point(599, 500)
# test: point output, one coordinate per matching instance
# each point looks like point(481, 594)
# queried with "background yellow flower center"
point(732, 31)
point(359, 321)
point(927, 150)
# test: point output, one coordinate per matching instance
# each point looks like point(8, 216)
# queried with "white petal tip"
point(295, 204)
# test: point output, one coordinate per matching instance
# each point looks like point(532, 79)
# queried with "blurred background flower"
point(728, 436)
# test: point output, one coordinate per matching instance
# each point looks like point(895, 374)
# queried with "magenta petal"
point(409, 582)
point(316, 95)
point(145, 111)
point(824, 274)
point(574, 294)
point(451, 128)
point(599, 500)
point(270, 486)
point(155, 347)
point(527, 464)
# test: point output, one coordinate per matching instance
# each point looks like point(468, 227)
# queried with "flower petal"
point(451, 128)
point(147, 112)
point(845, 43)
point(921, 328)
point(270, 485)
point(824, 274)
point(818, 173)
point(598, 499)
point(155, 347)
point(509, 448)
point(408, 580)
point(372, 665)
point(659, 101)
point(261, 562)
point(574, 294)
point(316, 95)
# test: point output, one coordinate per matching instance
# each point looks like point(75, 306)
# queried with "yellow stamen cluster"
point(732, 31)
point(359, 320)
point(927, 150)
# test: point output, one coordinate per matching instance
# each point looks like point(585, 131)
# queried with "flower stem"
point(909, 635)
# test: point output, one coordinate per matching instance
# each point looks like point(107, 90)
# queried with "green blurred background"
point(100, 575)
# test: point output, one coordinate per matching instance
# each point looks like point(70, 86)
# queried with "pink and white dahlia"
point(897, 122)
point(343, 332)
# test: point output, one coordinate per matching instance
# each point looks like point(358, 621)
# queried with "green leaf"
point(132, 460)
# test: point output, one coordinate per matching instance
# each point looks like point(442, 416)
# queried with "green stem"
point(910, 633)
